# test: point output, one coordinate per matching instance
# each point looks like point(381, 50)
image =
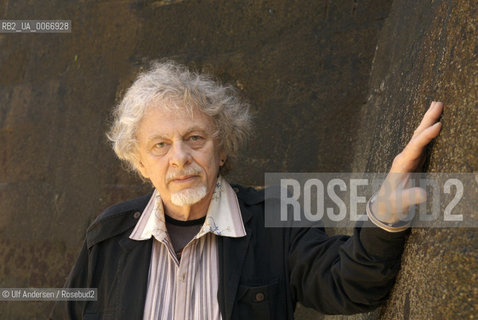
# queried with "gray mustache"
point(186, 172)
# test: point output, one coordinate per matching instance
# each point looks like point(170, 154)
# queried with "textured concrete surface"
point(307, 69)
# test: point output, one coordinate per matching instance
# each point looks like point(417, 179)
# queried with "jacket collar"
point(124, 216)
point(116, 220)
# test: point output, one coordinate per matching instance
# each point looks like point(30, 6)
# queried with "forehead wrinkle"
point(157, 136)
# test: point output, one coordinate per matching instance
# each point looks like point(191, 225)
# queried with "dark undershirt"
point(181, 232)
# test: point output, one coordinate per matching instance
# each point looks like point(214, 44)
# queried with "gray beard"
point(188, 196)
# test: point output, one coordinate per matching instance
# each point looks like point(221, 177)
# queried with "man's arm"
point(341, 274)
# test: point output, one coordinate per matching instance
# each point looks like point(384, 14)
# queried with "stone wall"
point(427, 50)
point(331, 91)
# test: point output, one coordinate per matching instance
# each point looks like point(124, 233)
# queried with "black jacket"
point(261, 275)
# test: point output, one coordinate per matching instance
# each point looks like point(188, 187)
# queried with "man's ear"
point(222, 159)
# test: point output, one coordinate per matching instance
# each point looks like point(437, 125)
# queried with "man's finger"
point(430, 117)
point(415, 147)
point(409, 159)
point(413, 196)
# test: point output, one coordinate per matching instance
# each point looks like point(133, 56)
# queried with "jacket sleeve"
point(342, 274)
point(78, 278)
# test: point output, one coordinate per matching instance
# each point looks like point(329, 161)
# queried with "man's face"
point(179, 154)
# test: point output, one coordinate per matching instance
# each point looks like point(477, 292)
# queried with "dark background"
point(335, 86)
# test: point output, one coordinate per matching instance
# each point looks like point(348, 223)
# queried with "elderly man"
point(197, 248)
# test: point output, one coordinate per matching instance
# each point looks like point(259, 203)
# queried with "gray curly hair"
point(171, 85)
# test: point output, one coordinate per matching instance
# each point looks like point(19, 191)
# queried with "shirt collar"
point(223, 216)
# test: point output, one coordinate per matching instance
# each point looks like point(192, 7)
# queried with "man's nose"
point(180, 155)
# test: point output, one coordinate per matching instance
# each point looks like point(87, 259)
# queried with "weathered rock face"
point(306, 69)
point(428, 51)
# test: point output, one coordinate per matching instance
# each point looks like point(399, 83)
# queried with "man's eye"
point(196, 141)
point(160, 148)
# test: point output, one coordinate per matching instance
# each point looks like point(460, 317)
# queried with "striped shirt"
point(187, 289)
